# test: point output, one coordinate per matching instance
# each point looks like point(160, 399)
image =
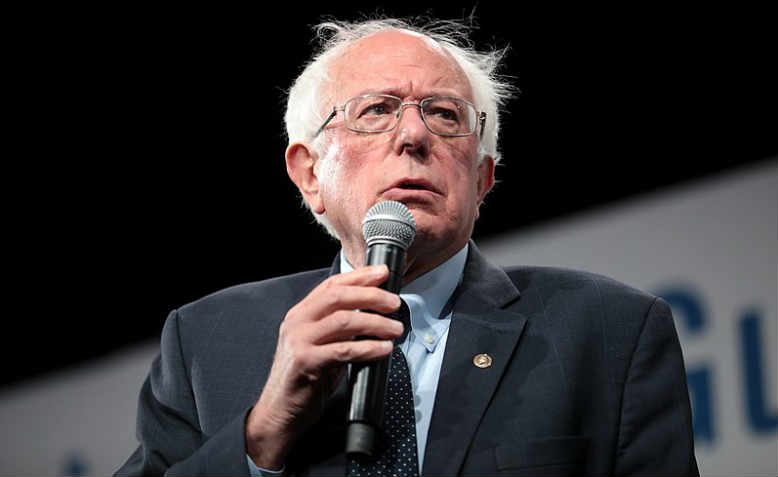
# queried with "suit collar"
point(335, 268)
point(482, 281)
point(484, 285)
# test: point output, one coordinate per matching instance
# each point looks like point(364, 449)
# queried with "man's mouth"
point(415, 184)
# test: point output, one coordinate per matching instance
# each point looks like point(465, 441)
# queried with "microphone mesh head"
point(389, 222)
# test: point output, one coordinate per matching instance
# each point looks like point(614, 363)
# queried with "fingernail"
point(398, 326)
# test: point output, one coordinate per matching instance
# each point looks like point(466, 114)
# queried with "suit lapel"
point(479, 326)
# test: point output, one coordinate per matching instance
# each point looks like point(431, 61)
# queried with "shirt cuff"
point(260, 472)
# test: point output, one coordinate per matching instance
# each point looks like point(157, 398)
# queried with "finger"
point(364, 276)
point(352, 351)
point(345, 325)
point(325, 301)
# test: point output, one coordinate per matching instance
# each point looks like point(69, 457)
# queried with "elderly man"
point(519, 371)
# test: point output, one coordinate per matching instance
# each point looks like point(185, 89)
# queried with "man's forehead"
point(392, 61)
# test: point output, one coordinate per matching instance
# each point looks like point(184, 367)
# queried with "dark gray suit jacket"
point(586, 377)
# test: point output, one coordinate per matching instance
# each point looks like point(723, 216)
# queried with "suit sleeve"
point(655, 433)
point(171, 441)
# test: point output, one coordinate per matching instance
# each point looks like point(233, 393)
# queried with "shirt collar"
point(427, 295)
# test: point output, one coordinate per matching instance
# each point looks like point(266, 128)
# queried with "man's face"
point(438, 178)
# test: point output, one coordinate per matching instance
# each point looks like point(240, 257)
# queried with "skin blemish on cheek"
point(326, 166)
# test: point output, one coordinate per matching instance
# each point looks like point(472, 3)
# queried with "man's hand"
point(315, 343)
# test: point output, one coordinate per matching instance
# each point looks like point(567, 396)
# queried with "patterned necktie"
point(397, 455)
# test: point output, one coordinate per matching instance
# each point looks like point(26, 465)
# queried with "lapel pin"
point(482, 360)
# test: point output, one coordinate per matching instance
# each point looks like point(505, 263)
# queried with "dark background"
point(158, 177)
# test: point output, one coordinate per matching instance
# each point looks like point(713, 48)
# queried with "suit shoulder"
point(552, 280)
point(591, 306)
point(272, 293)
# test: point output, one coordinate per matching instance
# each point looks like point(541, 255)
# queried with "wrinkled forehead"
point(399, 62)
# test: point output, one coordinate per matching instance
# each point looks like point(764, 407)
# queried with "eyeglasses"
point(376, 113)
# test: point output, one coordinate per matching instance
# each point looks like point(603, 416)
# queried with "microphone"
point(388, 229)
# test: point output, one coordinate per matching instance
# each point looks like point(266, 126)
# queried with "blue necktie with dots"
point(397, 455)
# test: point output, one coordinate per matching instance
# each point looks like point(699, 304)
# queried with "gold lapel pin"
point(482, 360)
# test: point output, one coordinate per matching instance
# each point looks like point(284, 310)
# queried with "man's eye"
point(444, 113)
point(376, 109)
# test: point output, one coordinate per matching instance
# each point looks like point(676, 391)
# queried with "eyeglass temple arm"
point(326, 121)
point(482, 121)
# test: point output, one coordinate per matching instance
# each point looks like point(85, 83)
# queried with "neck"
point(418, 259)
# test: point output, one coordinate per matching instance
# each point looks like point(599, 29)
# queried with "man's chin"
point(423, 213)
point(431, 239)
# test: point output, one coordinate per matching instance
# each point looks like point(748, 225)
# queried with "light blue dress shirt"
point(425, 344)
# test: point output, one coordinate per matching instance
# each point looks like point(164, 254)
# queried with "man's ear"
point(485, 180)
point(300, 165)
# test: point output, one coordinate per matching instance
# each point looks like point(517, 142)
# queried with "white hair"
point(305, 109)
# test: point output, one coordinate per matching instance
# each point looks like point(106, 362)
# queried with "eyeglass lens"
point(442, 115)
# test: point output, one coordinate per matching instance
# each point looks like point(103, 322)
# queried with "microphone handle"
point(394, 258)
point(367, 381)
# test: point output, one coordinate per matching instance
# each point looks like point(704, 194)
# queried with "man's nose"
point(412, 135)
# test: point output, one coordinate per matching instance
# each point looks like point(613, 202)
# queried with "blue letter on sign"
point(760, 419)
